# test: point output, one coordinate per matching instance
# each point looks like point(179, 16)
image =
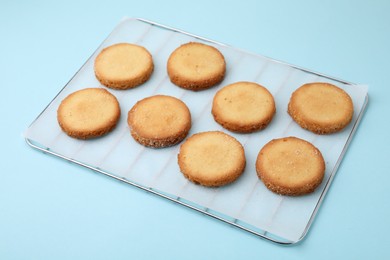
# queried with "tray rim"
point(178, 200)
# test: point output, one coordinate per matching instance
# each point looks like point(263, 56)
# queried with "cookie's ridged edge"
point(126, 84)
point(195, 86)
point(309, 188)
point(287, 191)
point(90, 134)
point(315, 128)
point(215, 183)
point(160, 143)
point(242, 129)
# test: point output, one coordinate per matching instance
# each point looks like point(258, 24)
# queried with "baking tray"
point(246, 203)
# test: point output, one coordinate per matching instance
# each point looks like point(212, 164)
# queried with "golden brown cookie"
point(211, 158)
point(243, 107)
point(88, 113)
point(123, 66)
point(321, 108)
point(290, 166)
point(159, 121)
point(196, 66)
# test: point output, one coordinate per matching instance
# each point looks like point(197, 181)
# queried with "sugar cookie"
point(123, 66)
point(88, 113)
point(159, 121)
point(243, 107)
point(196, 66)
point(211, 158)
point(321, 108)
point(290, 166)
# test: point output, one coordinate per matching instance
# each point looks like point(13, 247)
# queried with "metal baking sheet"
point(246, 203)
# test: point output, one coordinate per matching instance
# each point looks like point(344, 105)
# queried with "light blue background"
point(50, 209)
